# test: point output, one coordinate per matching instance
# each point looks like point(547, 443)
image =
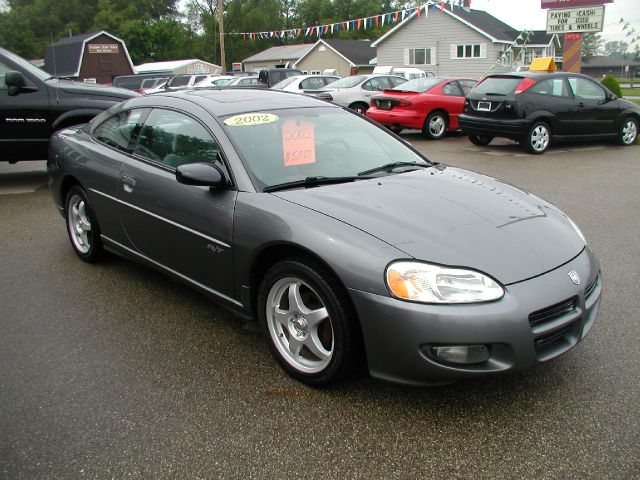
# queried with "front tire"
point(480, 140)
point(309, 322)
point(538, 139)
point(435, 126)
point(82, 226)
point(628, 133)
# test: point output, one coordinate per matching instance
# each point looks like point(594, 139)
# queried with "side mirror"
point(611, 97)
point(17, 83)
point(202, 174)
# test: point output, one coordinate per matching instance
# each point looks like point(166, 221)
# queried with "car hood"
point(95, 89)
point(453, 217)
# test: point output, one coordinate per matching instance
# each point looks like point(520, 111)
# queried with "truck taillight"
point(525, 84)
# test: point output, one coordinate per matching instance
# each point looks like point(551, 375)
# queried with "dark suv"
point(536, 108)
point(33, 105)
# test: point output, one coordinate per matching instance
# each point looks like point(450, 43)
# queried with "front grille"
point(554, 311)
point(591, 287)
point(552, 337)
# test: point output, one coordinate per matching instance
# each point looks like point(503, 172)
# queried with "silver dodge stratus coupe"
point(348, 246)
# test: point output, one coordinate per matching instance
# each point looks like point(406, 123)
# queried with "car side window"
point(586, 89)
point(395, 81)
point(175, 139)
point(452, 89)
point(375, 84)
point(3, 71)
point(312, 83)
point(118, 130)
point(554, 87)
point(466, 86)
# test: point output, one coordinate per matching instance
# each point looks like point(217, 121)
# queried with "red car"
point(430, 104)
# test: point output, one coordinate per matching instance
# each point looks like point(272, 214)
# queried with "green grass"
point(634, 100)
point(635, 92)
point(627, 80)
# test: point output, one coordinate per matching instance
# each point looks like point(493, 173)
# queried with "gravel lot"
point(114, 371)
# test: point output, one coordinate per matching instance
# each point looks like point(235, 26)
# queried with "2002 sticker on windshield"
point(249, 119)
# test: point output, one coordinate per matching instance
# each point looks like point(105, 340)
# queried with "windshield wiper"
point(495, 94)
point(391, 166)
point(313, 182)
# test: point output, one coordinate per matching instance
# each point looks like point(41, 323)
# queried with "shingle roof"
point(537, 37)
point(282, 52)
point(358, 52)
point(62, 58)
point(604, 62)
point(480, 20)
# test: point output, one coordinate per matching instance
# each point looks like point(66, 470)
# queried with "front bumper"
point(396, 118)
point(510, 128)
point(397, 333)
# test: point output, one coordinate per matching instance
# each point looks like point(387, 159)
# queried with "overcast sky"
point(527, 14)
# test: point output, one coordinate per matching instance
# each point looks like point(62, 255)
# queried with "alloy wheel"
point(299, 325)
point(539, 138)
point(629, 132)
point(79, 224)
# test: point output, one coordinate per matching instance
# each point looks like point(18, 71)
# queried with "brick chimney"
point(466, 4)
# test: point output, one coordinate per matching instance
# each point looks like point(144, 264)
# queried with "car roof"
point(538, 74)
point(222, 102)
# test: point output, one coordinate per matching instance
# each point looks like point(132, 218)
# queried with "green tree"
point(592, 44)
point(616, 49)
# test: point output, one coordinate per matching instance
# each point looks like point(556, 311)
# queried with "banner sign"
point(576, 20)
point(571, 3)
point(103, 48)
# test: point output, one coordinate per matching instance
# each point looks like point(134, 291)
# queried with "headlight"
point(578, 231)
point(424, 282)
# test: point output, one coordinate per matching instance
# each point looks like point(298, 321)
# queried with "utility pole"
point(221, 28)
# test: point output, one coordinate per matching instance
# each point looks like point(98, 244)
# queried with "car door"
point(553, 95)
point(595, 114)
point(113, 142)
point(25, 120)
point(452, 100)
point(185, 229)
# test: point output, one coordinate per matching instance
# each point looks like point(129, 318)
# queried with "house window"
point(468, 51)
point(315, 72)
point(420, 56)
point(531, 53)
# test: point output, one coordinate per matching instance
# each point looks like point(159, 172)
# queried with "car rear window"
point(419, 85)
point(347, 82)
point(498, 85)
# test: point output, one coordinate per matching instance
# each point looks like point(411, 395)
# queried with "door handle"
point(128, 183)
point(581, 104)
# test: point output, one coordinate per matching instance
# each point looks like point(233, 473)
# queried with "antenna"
point(55, 68)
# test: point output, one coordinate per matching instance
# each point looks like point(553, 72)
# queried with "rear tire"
point(435, 126)
point(480, 140)
point(359, 107)
point(538, 139)
point(628, 133)
point(82, 226)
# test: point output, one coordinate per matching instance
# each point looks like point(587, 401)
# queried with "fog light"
point(461, 354)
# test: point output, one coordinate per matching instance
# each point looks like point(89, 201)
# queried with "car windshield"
point(291, 145)
point(497, 85)
point(32, 69)
point(347, 82)
point(284, 83)
point(419, 85)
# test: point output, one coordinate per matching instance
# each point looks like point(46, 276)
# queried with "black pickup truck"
point(33, 105)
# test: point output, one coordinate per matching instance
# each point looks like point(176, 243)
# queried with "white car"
point(300, 83)
point(356, 91)
point(244, 82)
point(212, 82)
point(180, 82)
